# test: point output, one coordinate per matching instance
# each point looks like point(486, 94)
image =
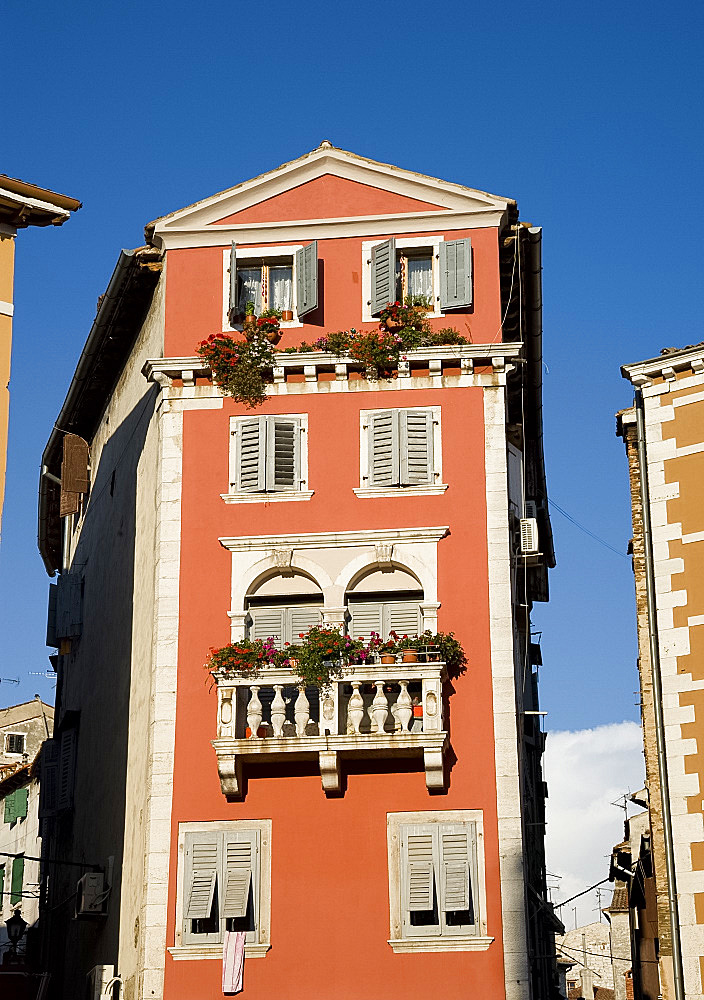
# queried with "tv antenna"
point(9, 680)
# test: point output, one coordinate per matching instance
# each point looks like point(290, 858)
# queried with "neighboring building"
point(664, 438)
point(176, 548)
point(588, 948)
point(21, 205)
point(23, 729)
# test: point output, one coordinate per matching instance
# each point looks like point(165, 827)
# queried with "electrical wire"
point(602, 954)
point(557, 906)
point(587, 531)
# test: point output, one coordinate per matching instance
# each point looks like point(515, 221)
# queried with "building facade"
point(21, 205)
point(664, 439)
point(405, 849)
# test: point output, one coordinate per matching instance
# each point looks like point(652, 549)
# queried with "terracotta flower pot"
point(388, 658)
point(392, 325)
point(410, 656)
point(249, 323)
point(286, 315)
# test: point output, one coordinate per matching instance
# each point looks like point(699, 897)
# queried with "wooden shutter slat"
point(238, 877)
point(403, 617)
point(420, 872)
point(203, 876)
point(455, 851)
point(365, 619)
point(383, 448)
point(268, 623)
point(283, 454)
point(383, 275)
point(307, 279)
point(301, 620)
point(455, 274)
point(416, 447)
point(251, 455)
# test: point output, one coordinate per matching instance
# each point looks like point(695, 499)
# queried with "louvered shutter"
point(49, 779)
point(383, 272)
point(419, 864)
point(67, 767)
point(307, 279)
point(365, 619)
point(402, 617)
point(268, 623)
point(16, 882)
point(239, 857)
point(202, 860)
point(283, 454)
point(251, 455)
point(233, 281)
point(301, 620)
point(455, 274)
point(21, 797)
point(383, 448)
point(416, 447)
point(10, 814)
point(69, 605)
point(455, 848)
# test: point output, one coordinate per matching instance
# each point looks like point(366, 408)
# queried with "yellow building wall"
point(7, 263)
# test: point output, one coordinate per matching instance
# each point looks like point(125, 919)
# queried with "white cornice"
point(643, 372)
point(23, 199)
point(334, 539)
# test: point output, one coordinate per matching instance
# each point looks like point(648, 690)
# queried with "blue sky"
point(589, 115)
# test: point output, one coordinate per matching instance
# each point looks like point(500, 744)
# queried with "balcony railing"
point(373, 710)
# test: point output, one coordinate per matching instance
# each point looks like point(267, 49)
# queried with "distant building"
point(664, 438)
point(589, 949)
point(21, 205)
point(23, 729)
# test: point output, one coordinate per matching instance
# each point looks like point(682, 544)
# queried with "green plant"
point(451, 650)
point(322, 655)
point(269, 321)
point(246, 658)
point(447, 335)
point(419, 301)
point(379, 351)
point(249, 309)
point(239, 367)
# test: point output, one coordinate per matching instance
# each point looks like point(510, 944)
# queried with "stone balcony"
point(376, 710)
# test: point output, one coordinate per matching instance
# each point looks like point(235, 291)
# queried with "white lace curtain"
point(280, 287)
point(420, 276)
point(250, 283)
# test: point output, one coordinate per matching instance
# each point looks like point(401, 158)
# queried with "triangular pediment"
point(327, 186)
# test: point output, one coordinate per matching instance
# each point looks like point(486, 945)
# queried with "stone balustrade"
point(372, 710)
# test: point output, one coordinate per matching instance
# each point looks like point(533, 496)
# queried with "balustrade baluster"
point(355, 709)
point(301, 711)
point(380, 708)
point(254, 713)
point(278, 711)
point(404, 707)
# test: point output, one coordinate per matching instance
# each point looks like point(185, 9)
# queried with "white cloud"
point(586, 771)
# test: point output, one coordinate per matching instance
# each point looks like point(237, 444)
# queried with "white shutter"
point(251, 455)
point(233, 281)
point(301, 620)
point(383, 275)
point(416, 447)
point(455, 887)
point(418, 878)
point(455, 274)
point(383, 448)
point(67, 767)
point(365, 619)
point(283, 451)
point(49, 779)
point(403, 617)
point(238, 854)
point(268, 623)
point(201, 874)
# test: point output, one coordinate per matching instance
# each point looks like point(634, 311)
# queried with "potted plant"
point(287, 315)
point(322, 654)
point(408, 645)
point(250, 320)
point(241, 369)
point(269, 324)
point(247, 657)
point(443, 646)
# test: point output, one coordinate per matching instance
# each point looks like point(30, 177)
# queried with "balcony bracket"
point(330, 771)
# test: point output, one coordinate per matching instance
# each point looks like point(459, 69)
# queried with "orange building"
point(389, 825)
point(664, 438)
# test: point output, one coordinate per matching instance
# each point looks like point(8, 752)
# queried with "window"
point(400, 448)
point(284, 278)
point(436, 881)
point(57, 773)
point(14, 743)
point(16, 805)
point(428, 268)
point(224, 880)
point(268, 455)
point(283, 624)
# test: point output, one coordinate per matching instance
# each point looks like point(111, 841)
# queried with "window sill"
point(278, 497)
point(200, 951)
point(368, 492)
point(409, 945)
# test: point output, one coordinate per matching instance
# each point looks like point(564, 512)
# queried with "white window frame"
point(14, 753)
point(479, 941)
point(365, 491)
point(274, 496)
point(261, 946)
point(259, 255)
point(431, 243)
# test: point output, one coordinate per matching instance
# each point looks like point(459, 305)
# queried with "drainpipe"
point(677, 971)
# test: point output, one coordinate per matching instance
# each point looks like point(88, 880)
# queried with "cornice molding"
point(334, 539)
point(642, 373)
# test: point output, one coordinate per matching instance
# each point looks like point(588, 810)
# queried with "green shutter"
point(383, 275)
point(455, 274)
point(21, 797)
point(16, 883)
point(416, 447)
point(10, 814)
point(307, 279)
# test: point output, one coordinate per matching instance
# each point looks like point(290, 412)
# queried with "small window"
point(286, 281)
point(224, 878)
point(268, 455)
point(436, 880)
point(436, 274)
point(400, 448)
point(15, 743)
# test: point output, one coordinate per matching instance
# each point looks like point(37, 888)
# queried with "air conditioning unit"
point(529, 535)
point(91, 895)
point(98, 978)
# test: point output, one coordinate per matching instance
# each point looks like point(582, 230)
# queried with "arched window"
point(282, 607)
point(385, 601)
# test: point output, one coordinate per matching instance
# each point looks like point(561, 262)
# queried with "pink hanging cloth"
point(233, 961)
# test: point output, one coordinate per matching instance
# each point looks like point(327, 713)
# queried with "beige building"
point(21, 205)
point(664, 438)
